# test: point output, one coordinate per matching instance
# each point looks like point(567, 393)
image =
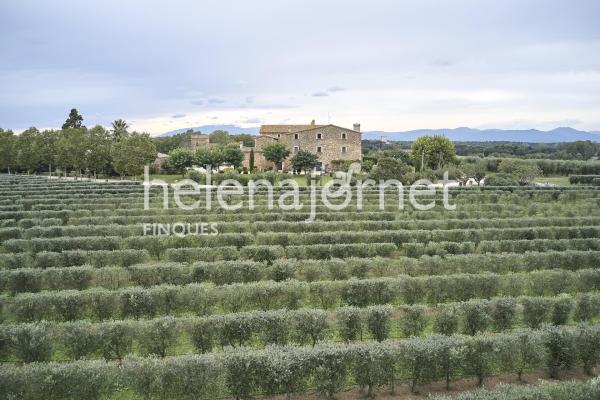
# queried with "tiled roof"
point(286, 128)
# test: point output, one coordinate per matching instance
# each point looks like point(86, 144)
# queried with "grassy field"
point(554, 180)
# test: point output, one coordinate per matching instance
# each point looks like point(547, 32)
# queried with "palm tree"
point(119, 128)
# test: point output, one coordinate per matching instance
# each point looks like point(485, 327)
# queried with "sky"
point(389, 65)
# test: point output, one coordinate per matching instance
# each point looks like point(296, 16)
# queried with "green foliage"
point(501, 179)
point(159, 335)
point(81, 339)
point(304, 160)
point(524, 172)
point(350, 323)
point(433, 152)
point(74, 120)
point(561, 350)
point(181, 159)
point(446, 320)
point(31, 342)
point(119, 129)
point(219, 137)
point(378, 321)
point(310, 325)
point(503, 312)
point(390, 168)
point(413, 320)
point(275, 152)
point(476, 316)
point(131, 153)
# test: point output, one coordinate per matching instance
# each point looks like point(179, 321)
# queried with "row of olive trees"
point(37, 341)
point(102, 271)
point(202, 299)
point(328, 368)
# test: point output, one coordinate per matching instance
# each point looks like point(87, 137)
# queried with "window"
point(344, 149)
point(318, 149)
point(296, 136)
point(319, 136)
point(296, 148)
point(344, 136)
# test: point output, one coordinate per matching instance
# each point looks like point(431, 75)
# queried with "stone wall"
point(331, 141)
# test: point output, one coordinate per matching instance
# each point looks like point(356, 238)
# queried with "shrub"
point(445, 320)
point(350, 323)
point(503, 312)
point(475, 316)
point(310, 325)
point(31, 342)
point(535, 310)
point(560, 349)
point(80, 339)
point(587, 339)
point(116, 339)
point(159, 335)
point(413, 320)
point(378, 321)
point(202, 332)
point(561, 309)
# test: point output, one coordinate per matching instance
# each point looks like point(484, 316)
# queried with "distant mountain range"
point(211, 128)
point(563, 134)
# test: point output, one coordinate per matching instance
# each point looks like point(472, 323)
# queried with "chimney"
point(312, 122)
point(357, 127)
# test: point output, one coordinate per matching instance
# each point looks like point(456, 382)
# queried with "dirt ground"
point(402, 392)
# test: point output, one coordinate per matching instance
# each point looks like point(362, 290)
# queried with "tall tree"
point(97, 149)
point(219, 137)
point(28, 157)
point(233, 155)
point(119, 129)
point(251, 161)
point(209, 156)
point(74, 120)
point(7, 151)
point(132, 153)
point(46, 148)
point(181, 159)
point(432, 151)
point(275, 152)
point(71, 149)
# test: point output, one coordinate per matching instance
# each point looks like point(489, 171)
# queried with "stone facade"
point(329, 142)
point(198, 140)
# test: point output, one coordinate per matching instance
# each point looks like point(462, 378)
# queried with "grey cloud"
point(178, 116)
point(197, 102)
point(250, 99)
point(216, 101)
point(336, 89)
point(442, 63)
point(250, 121)
point(320, 94)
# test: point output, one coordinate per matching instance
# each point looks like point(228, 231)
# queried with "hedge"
point(202, 299)
point(326, 367)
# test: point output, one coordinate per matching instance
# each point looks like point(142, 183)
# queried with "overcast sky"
point(390, 65)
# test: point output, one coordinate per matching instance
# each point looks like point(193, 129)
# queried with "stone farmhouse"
point(198, 140)
point(329, 142)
